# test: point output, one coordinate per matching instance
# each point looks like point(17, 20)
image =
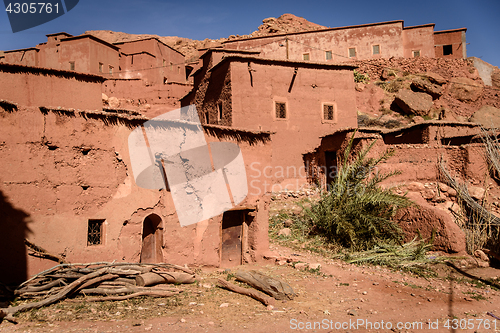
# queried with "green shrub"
point(358, 77)
point(355, 212)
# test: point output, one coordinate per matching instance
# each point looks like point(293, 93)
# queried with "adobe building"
point(145, 75)
point(417, 148)
point(299, 101)
point(66, 184)
point(359, 42)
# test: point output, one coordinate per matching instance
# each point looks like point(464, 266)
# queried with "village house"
point(359, 42)
point(67, 185)
point(299, 101)
point(145, 75)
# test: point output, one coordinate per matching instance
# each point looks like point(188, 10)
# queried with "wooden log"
point(263, 298)
point(7, 313)
point(95, 281)
point(278, 289)
point(137, 294)
point(30, 289)
point(152, 278)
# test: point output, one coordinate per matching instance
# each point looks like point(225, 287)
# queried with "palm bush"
point(355, 211)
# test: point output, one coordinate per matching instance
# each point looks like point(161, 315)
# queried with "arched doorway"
point(152, 239)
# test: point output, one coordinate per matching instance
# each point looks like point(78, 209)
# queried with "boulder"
point(388, 74)
point(113, 102)
point(477, 193)
point(465, 90)
point(418, 120)
point(495, 78)
point(488, 116)
point(424, 219)
point(435, 78)
point(415, 103)
point(285, 232)
point(419, 84)
point(415, 187)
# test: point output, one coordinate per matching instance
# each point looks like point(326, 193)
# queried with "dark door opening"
point(152, 240)
point(232, 237)
point(331, 167)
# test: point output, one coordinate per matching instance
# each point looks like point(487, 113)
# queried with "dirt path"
point(341, 298)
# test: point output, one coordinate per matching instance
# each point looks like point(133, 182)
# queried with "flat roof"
point(11, 68)
point(420, 26)
point(296, 63)
point(149, 38)
point(222, 50)
point(451, 30)
point(94, 39)
point(314, 31)
point(59, 33)
point(26, 49)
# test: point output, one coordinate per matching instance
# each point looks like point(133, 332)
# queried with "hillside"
point(286, 23)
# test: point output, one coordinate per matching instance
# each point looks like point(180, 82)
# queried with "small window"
point(447, 49)
point(416, 53)
point(328, 112)
point(219, 112)
point(71, 65)
point(328, 55)
point(95, 232)
point(305, 56)
point(165, 80)
point(164, 63)
point(352, 52)
point(280, 110)
point(110, 70)
point(376, 49)
point(100, 67)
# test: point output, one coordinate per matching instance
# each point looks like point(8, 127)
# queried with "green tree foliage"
point(355, 211)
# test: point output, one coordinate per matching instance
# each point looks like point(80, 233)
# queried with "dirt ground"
point(339, 298)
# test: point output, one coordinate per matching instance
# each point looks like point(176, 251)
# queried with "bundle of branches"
point(492, 146)
point(463, 193)
point(410, 257)
point(122, 280)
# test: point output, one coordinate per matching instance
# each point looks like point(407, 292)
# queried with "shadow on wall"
point(13, 254)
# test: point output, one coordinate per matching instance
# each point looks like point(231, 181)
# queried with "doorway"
point(152, 240)
point(234, 237)
point(331, 167)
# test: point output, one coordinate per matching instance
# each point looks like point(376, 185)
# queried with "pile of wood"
point(276, 289)
point(113, 281)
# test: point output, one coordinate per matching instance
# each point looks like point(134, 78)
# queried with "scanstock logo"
point(170, 152)
point(24, 14)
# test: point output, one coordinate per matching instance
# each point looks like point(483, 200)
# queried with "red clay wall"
point(61, 169)
point(388, 36)
point(253, 108)
point(159, 62)
point(38, 87)
point(419, 38)
point(455, 38)
point(27, 57)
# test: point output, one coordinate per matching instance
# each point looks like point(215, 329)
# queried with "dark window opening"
point(100, 67)
point(328, 112)
point(165, 80)
point(416, 53)
point(85, 187)
point(328, 55)
point(280, 110)
point(219, 111)
point(447, 49)
point(207, 118)
point(94, 234)
point(71, 65)
point(352, 52)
